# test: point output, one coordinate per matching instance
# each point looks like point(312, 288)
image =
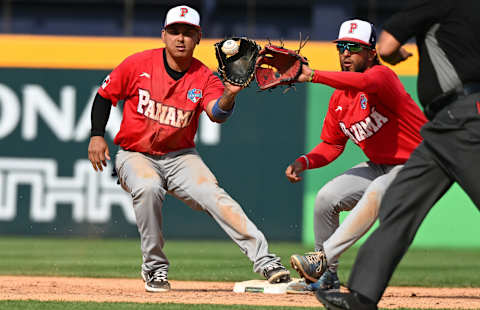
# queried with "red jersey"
point(160, 115)
point(374, 111)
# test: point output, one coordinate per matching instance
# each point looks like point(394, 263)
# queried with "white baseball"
point(230, 47)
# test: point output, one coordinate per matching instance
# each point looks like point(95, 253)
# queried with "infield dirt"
point(190, 292)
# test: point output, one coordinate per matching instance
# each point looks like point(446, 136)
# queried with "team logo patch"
point(363, 101)
point(194, 95)
point(106, 82)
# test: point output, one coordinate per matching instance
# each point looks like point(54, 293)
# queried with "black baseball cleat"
point(276, 273)
point(344, 301)
point(155, 281)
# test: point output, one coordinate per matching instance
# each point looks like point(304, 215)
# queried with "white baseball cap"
point(184, 15)
point(358, 31)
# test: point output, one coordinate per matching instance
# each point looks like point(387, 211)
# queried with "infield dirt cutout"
point(190, 292)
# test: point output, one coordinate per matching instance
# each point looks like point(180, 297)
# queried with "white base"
point(260, 286)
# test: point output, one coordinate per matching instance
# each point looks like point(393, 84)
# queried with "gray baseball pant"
point(359, 189)
point(185, 176)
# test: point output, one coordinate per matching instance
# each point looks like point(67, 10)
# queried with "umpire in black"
point(447, 33)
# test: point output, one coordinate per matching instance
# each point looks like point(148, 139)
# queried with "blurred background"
point(274, 19)
point(56, 53)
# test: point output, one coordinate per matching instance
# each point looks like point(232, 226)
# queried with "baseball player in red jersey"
point(164, 91)
point(371, 108)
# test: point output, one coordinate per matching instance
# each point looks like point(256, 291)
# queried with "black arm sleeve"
point(417, 17)
point(100, 113)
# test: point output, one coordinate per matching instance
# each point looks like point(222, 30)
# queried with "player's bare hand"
point(306, 74)
point(400, 55)
point(98, 152)
point(404, 55)
point(234, 89)
point(293, 172)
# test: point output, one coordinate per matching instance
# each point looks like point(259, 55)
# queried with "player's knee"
point(377, 188)
point(148, 187)
point(210, 193)
point(325, 202)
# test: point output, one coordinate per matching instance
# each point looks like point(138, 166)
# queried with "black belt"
point(439, 102)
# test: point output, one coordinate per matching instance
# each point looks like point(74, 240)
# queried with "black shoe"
point(276, 273)
point(156, 281)
point(345, 301)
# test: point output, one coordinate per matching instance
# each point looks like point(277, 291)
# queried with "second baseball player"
point(371, 108)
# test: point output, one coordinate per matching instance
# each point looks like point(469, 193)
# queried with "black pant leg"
point(417, 187)
point(454, 137)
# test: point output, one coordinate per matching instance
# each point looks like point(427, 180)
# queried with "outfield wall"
point(48, 187)
point(453, 222)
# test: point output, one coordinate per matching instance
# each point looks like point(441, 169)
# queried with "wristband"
point(304, 159)
point(219, 113)
point(310, 78)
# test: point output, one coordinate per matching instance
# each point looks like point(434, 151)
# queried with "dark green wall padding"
point(453, 222)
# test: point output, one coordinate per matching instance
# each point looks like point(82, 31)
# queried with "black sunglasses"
point(351, 47)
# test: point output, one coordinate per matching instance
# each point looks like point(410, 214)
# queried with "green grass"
point(56, 305)
point(429, 268)
point(202, 260)
point(213, 261)
point(190, 260)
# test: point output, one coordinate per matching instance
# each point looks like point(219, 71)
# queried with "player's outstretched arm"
point(220, 109)
point(232, 89)
point(306, 75)
point(98, 152)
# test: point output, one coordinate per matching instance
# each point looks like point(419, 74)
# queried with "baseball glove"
point(278, 66)
point(236, 60)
